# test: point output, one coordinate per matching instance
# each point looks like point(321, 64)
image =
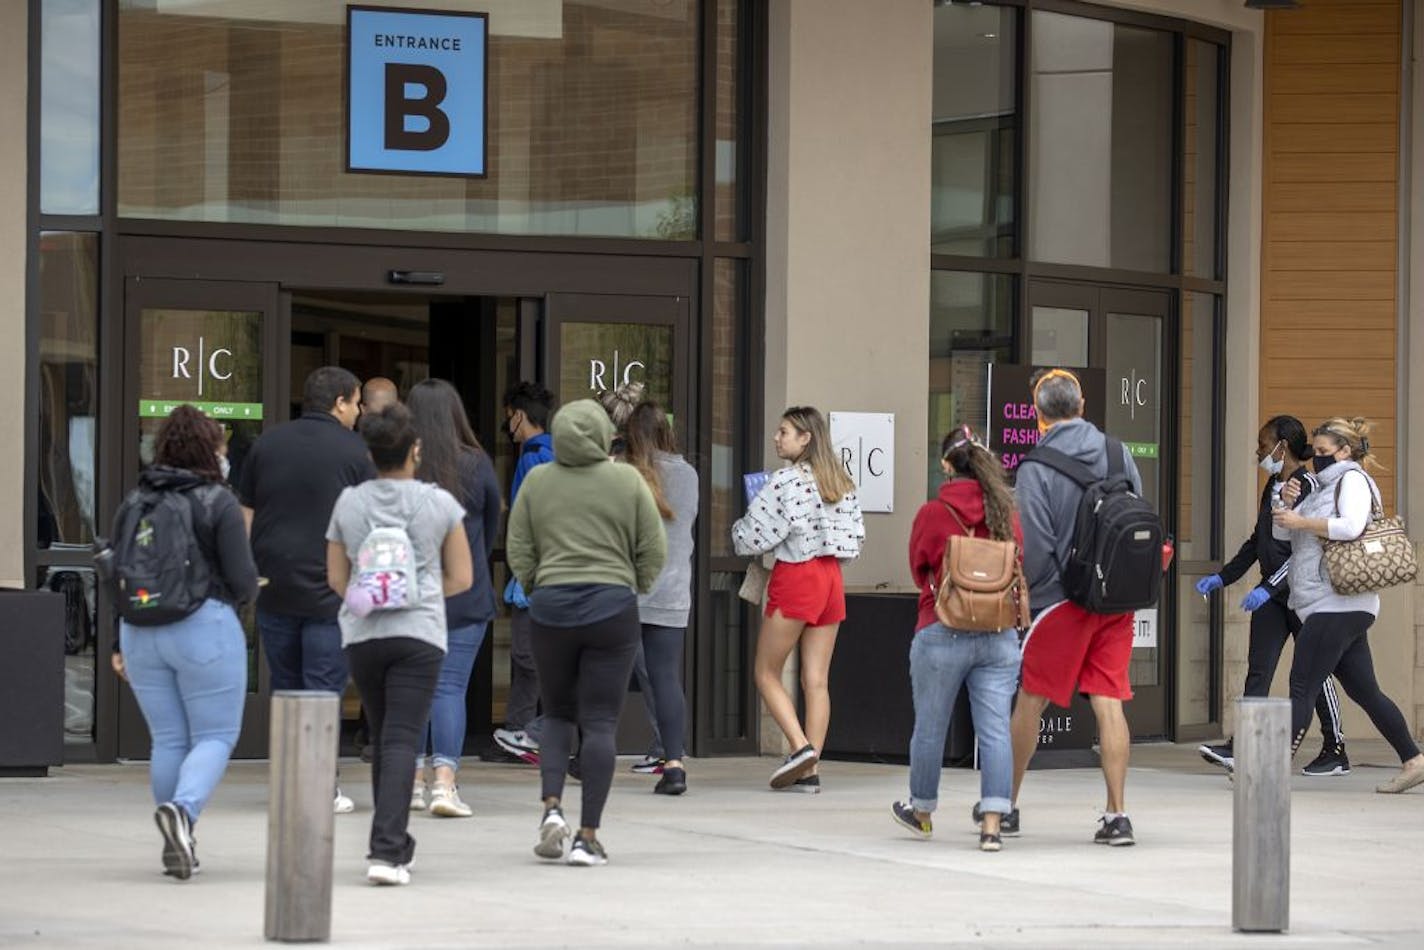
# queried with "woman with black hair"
point(451, 457)
point(396, 549)
point(973, 500)
point(190, 676)
point(1281, 451)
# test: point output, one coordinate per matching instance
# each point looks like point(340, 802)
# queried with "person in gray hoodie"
point(1334, 626)
point(649, 446)
point(1068, 648)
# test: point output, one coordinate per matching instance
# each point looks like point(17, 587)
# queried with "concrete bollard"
point(1260, 859)
point(300, 822)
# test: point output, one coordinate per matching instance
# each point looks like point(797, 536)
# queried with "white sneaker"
point(417, 797)
point(553, 832)
point(445, 802)
point(379, 872)
point(343, 805)
point(516, 742)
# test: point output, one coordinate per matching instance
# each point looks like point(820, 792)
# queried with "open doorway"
point(472, 343)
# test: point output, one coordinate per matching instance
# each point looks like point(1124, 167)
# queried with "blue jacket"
point(535, 452)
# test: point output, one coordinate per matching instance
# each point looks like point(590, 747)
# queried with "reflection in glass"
point(1197, 445)
point(69, 106)
point(728, 225)
point(78, 586)
point(211, 359)
point(1060, 337)
point(68, 387)
point(731, 660)
point(971, 326)
point(592, 123)
point(1199, 164)
point(728, 397)
point(972, 160)
point(1100, 162)
point(594, 357)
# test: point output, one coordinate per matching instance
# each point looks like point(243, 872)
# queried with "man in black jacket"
point(290, 482)
point(1281, 447)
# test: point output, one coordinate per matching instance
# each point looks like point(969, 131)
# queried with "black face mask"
point(1322, 462)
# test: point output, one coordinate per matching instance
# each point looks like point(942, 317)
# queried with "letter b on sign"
point(401, 106)
point(416, 91)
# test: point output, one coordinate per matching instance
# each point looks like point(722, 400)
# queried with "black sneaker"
point(904, 816)
point(173, 824)
point(1222, 755)
point(797, 765)
point(988, 842)
point(673, 782)
point(1115, 831)
point(1329, 762)
point(1008, 824)
point(807, 785)
point(586, 853)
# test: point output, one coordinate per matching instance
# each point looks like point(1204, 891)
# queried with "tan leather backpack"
point(981, 587)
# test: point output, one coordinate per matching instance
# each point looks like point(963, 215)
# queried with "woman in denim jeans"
point(974, 498)
point(190, 676)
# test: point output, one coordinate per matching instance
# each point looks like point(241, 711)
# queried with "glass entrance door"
point(211, 344)
point(1124, 332)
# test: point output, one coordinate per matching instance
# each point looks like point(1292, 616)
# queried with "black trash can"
point(31, 681)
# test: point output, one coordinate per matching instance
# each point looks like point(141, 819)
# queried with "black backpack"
point(1115, 562)
point(160, 570)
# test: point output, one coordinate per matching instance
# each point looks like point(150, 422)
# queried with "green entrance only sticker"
point(160, 409)
point(1142, 450)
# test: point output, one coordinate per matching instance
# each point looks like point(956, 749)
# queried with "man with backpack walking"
point(289, 485)
point(1092, 555)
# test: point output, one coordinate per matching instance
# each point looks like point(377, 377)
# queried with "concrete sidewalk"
point(731, 863)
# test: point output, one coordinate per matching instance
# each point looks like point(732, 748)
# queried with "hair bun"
point(1361, 426)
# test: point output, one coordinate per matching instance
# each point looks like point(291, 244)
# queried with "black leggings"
point(1336, 642)
point(663, 648)
point(396, 678)
point(583, 679)
point(1271, 624)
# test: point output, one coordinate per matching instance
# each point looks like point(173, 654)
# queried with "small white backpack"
point(385, 570)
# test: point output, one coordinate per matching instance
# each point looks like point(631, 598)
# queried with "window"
point(592, 121)
point(971, 326)
point(1200, 159)
point(69, 107)
point(1100, 163)
point(975, 131)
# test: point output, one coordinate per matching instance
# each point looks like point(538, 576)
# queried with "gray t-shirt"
point(427, 513)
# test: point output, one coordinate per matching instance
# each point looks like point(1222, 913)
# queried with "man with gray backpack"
point(1092, 556)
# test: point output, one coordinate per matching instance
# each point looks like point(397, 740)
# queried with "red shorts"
point(811, 591)
point(1067, 646)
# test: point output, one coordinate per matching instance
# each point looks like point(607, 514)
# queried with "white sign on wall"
point(865, 444)
point(1144, 629)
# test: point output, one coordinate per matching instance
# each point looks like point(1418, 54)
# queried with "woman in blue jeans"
point(973, 499)
point(190, 677)
point(451, 457)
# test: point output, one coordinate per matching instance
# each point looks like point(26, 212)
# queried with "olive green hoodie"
point(585, 520)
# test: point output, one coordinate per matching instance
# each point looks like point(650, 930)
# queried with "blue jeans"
point(190, 680)
point(302, 652)
point(445, 735)
point(941, 661)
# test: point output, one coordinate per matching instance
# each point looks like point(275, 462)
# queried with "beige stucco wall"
point(13, 244)
point(847, 306)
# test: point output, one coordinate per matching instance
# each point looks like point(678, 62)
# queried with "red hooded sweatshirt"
point(932, 529)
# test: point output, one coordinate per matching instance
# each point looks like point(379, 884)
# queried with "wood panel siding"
point(1329, 252)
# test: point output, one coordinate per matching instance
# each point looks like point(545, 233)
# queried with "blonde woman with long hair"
point(808, 516)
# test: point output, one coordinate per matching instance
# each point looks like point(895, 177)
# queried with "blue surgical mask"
point(1272, 465)
point(224, 466)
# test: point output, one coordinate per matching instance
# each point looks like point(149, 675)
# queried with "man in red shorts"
point(1068, 647)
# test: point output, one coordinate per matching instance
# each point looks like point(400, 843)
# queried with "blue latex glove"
point(1255, 599)
point(1208, 584)
point(514, 594)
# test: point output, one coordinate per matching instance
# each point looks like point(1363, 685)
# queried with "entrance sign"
point(865, 444)
point(1013, 421)
point(416, 91)
point(1144, 629)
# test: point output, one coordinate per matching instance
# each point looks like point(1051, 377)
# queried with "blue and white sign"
point(415, 85)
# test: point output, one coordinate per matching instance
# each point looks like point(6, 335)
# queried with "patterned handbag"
point(1382, 556)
